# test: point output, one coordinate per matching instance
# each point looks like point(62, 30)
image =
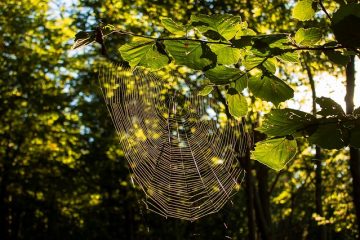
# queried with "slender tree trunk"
point(249, 190)
point(4, 209)
point(318, 191)
point(4, 206)
point(318, 157)
point(262, 201)
point(354, 152)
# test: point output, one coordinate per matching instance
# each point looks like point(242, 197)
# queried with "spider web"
point(180, 155)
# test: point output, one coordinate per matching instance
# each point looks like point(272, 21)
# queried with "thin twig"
point(324, 9)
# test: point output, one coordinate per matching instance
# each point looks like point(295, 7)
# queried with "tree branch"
point(163, 39)
point(296, 48)
point(324, 9)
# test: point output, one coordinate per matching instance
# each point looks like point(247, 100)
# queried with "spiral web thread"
point(183, 159)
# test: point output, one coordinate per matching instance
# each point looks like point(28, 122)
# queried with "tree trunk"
point(354, 161)
point(4, 206)
point(249, 190)
point(262, 202)
point(318, 192)
point(4, 196)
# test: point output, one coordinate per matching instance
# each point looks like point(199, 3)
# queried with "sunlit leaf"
point(237, 103)
point(303, 10)
point(143, 52)
point(307, 37)
point(83, 38)
point(189, 53)
point(252, 61)
point(173, 27)
point(282, 122)
point(205, 90)
point(291, 57)
point(245, 32)
point(217, 26)
point(241, 83)
point(223, 75)
point(275, 153)
point(269, 65)
point(226, 54)
point(270, 88)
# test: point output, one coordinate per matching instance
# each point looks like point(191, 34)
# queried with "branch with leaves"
point(231, 54)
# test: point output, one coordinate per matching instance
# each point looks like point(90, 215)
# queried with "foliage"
point(343, 22)
point(303, 10)
point(237, 103)
point(143, 52)
point(62, 173)
point(307, 37)
point(275, 153)
point(333, 130)
point(224, 35)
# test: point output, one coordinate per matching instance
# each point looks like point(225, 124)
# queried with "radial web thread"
point(183, 158)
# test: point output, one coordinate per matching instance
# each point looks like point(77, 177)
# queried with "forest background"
point(64, 176)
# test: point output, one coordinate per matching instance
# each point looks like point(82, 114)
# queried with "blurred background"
point(62, 172)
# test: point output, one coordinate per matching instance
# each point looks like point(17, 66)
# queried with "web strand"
point(183, 158)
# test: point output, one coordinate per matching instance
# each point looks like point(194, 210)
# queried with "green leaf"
point(243, 42)
point(345, 21)
point(307, 37)
point(245, 32)
point(241, 83)
point(337, 57)
point(237, 103)
point(282, 122)
point(264, 45)
point(83, 38)
point(270, 88)
point(303, 10)
point(329, 107)
point(291, 57)
point(329, 136)
point(223, 75)
point(270, 44)
point(189, 53)
point(173, 27)
point(252, 61)
point(143, 52)
point(206, 90)
point(226, 55)
point(275, 153)
point(217, 26)
point(270, 65)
